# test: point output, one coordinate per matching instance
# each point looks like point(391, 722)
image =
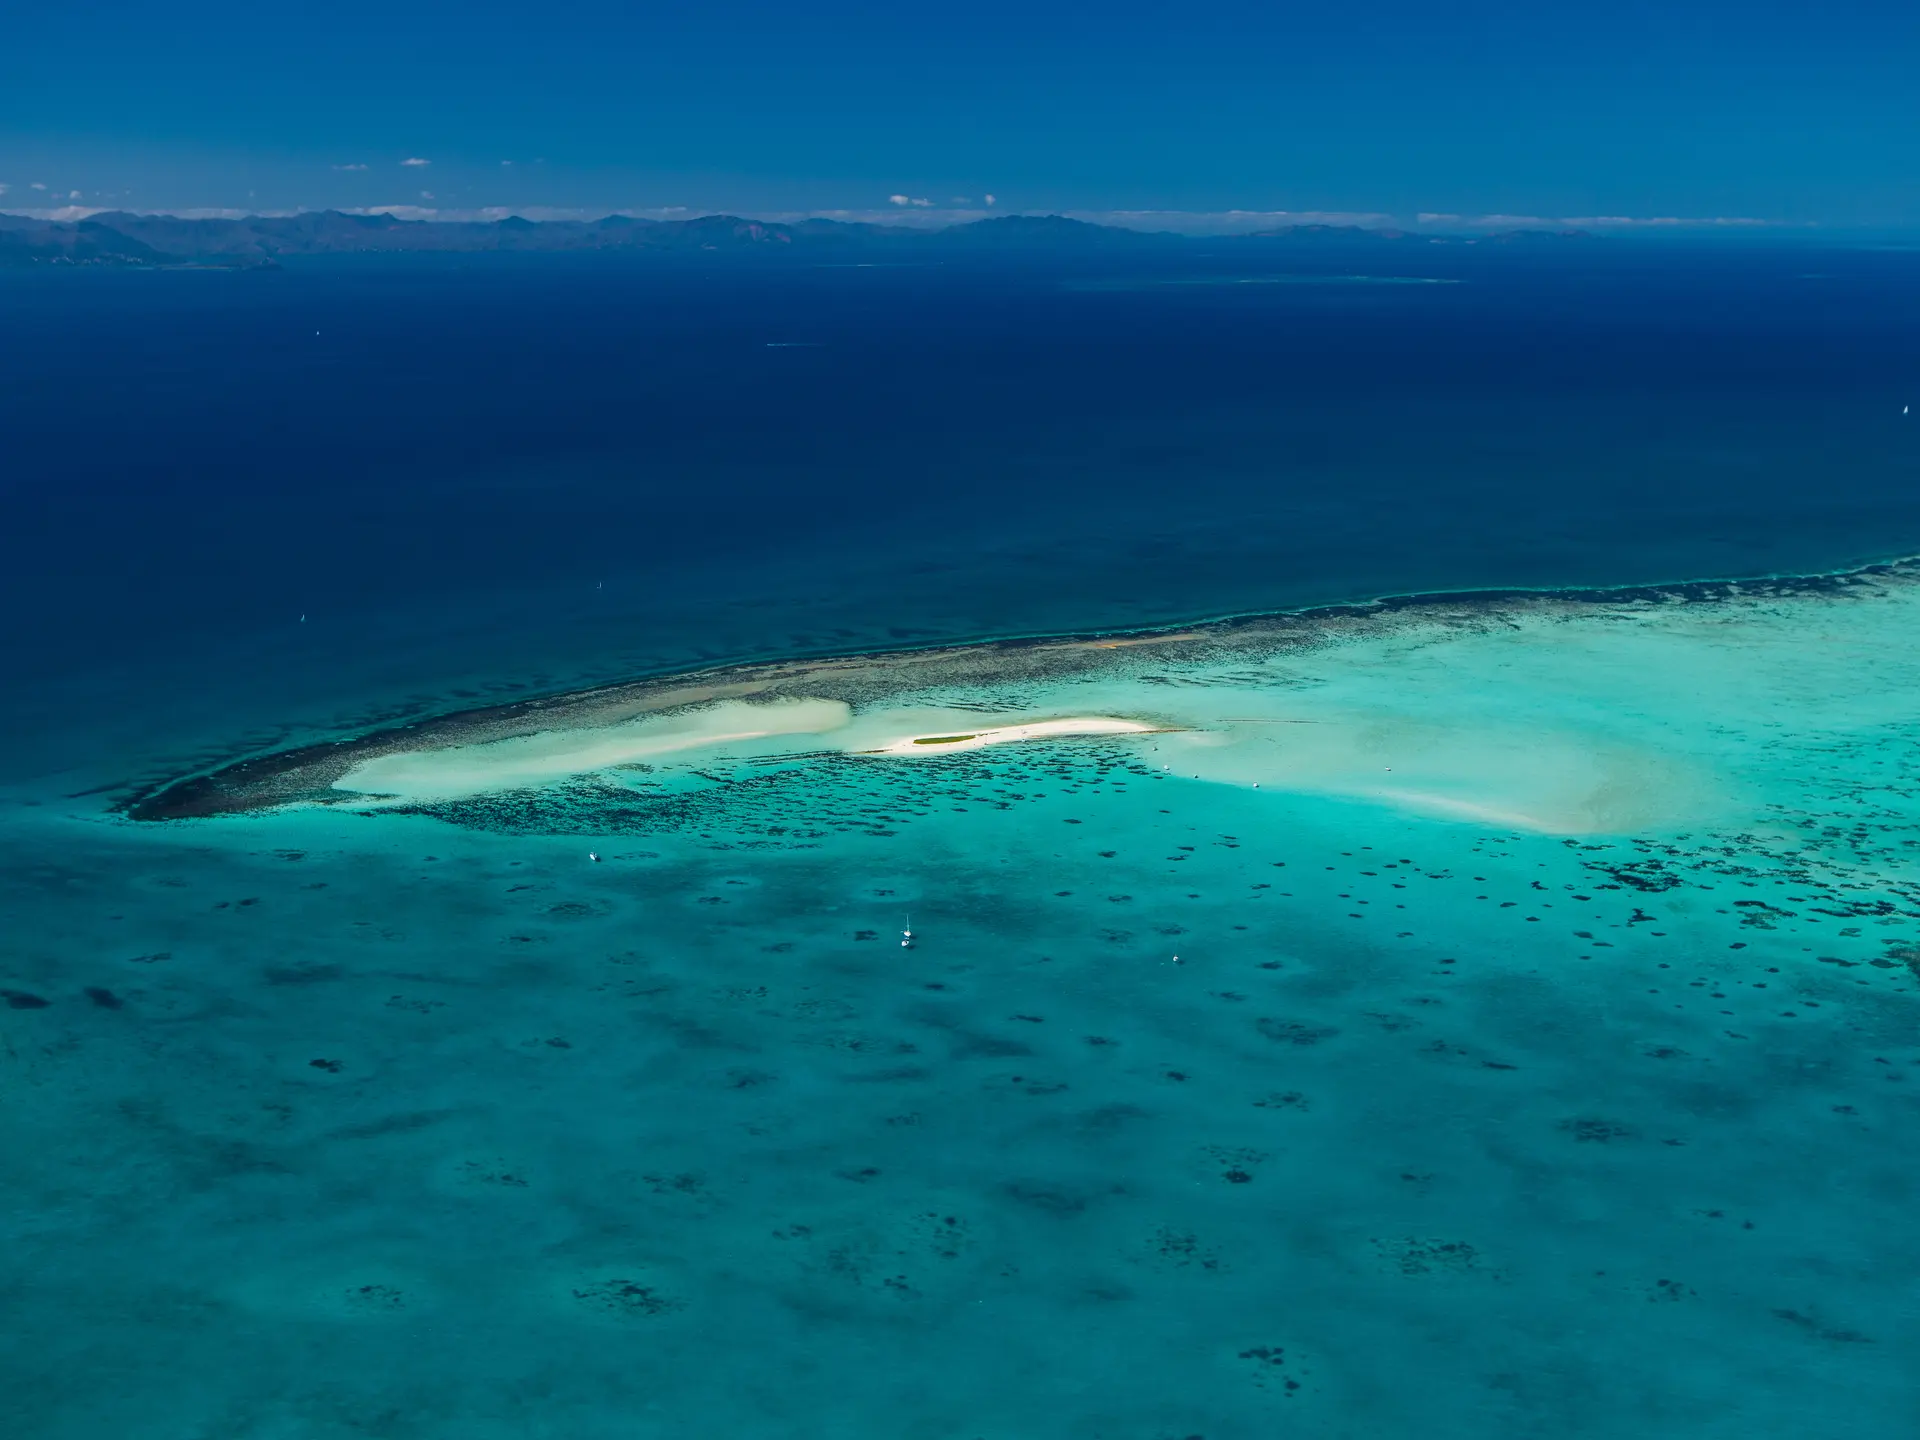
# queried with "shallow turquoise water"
point(1539, 1058)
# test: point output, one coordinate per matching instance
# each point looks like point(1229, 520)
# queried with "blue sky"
point(1799, 113)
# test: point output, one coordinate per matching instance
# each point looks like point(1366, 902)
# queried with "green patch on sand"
point(941, 739)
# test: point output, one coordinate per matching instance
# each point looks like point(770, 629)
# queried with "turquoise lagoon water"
point(1539, 1057)
point(1481, 1017)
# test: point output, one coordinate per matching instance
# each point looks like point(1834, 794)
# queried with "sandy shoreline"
point(948, 743)
point(684, 737)
point(310, 773)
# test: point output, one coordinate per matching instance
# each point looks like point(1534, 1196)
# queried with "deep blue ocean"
point(547, 468)
point(1485, 1019)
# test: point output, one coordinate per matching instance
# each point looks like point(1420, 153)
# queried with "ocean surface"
point(1494, 1014)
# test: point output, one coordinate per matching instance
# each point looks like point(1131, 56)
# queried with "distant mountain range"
point(122, 238)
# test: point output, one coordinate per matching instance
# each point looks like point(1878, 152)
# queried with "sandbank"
point(948, 741)
point(461, 771)
point(1586, 712)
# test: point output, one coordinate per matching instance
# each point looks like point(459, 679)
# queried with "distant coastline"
point(126, 240)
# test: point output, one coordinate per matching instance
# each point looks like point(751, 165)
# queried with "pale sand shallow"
point(458, 772)
point(946, 742)
point(731, 728)
point(1459, 740)
point(1570, 716)
point(1545, 723)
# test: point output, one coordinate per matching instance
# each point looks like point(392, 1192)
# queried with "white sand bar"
point(459, 772)
point(947, 742)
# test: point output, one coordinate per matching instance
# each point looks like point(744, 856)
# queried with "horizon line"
point(1195, 223)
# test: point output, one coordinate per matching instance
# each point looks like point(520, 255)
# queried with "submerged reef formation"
point(1457, 1016)
point(1748, 735)
point(1460, 653)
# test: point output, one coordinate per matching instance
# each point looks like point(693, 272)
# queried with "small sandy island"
point(950, 741)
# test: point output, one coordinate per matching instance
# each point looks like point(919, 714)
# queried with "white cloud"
point(506, 162)
point(891, 199)
point(1738, 221)
point(1598, 222)
point(988, 199)
point(73, 194)
point(1502, 222)
point(349, 167)
point(38, 186)
point(415, 160)
point(217, 213)
point(82, 212)
point(426, 195)
point(3, 187)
